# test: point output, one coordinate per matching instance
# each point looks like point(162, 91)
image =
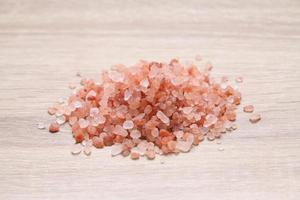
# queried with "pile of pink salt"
point(150, 108)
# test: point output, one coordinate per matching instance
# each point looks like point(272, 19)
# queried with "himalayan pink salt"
point(160, 115)
point(150, 108)
point(249, 108)
point(128, 124)
point(54, 127)
point(135, 156)
point(116, 149)
point(119, 130)
point(254, 118)
point(135, 134)
point(76, 149)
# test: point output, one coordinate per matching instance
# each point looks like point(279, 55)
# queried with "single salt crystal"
point(119, 130)
point(248, 108)
point(128, 124)
point(155, 132)
point(144, 83)
point(254, 118)
point(127, 95)
point(61, 100)
point(83, 123)
point(87, 150)
point(239, 79)
point(190, 138)
point(178, 134)
point(72, 86)
point(220, 149)
point(87, 142)
point(115, 76)
point(76, 149)
point(72, 120)
point(142, 147)
point(135, 134)
point(77, 104)
point(116, 149)
point(187, 110)
point(147, 109)
point(61, 119)
point(160, 115)
point(90, 94)
point(41, 125)
point(210, 120)
point(94, 111)
point(183, 146)
point(204, 130)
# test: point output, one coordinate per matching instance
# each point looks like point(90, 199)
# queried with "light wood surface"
point(44, 43)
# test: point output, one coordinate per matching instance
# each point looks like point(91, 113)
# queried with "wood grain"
point(44, 43)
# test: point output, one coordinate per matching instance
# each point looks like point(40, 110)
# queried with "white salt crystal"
point(77, 104)
point(41, 125)
point(94, 111)
point(183, 146)
point(187, 110)
point(76, 149)
point(61, 119)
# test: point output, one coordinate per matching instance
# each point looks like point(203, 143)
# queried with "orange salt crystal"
point(54, 127)
point(254, 118)
point(248, 108)
point(134, 155)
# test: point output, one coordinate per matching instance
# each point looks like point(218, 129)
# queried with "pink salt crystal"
point(94, 112)
point(135, 156)
point(119, 130)
point(83, 123)
point(144, 83)
point(249, 108)
point(128, 124)
point(155, 132)
point(210, 120)
point(160, 115)
point(54, 127)
point(239, 79)
point(150, 155)
point(183, 146)
point(255, 118)
point(135, 134)
point(127, 95)
point(187, 110)
point(115, 76)
point(116, 149)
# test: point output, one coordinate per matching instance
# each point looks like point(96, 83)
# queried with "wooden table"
point(44, 43)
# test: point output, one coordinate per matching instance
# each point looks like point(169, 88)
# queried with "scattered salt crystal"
point(41, 125)
point(160, 115)
point(255, 118)
point(76, 149)
point(72, 86)
point(87, 150)
point(239, 79)
point(116, 149)
point(78, 74)
point(220, 149)
point(248, 108)
point(128, 124)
